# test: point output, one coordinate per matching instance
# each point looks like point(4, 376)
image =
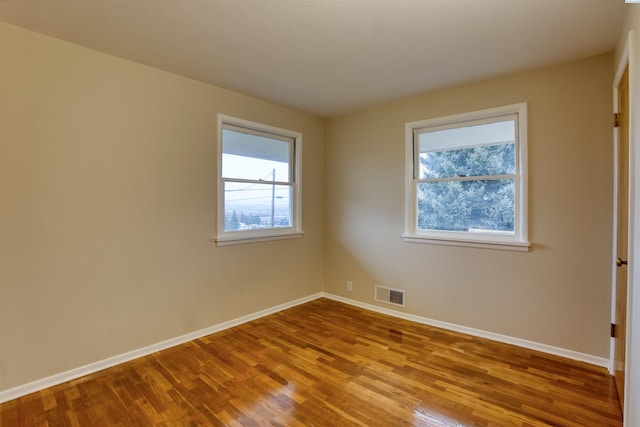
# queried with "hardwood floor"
point(329, 364)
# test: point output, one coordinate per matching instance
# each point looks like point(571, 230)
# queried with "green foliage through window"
point(467, 178)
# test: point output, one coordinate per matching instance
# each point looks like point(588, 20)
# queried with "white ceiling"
point(330, 57)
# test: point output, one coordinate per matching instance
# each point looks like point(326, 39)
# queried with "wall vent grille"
point(389, 295)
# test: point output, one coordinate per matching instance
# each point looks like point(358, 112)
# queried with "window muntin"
point(259, 192)
point(466, 178)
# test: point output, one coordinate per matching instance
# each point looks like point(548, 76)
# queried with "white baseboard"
point(612, 352)
point(569, 354)
point(22, 390)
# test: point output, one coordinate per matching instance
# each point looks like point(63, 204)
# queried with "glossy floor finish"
point(329, 364)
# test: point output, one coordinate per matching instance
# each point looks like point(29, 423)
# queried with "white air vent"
point(389, 295)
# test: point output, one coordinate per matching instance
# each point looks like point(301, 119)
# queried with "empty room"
point(319, 213)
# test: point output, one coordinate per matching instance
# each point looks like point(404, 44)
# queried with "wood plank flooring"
point(329, 364)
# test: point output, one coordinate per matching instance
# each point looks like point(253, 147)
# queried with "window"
point(466, 179)
point(258, 182)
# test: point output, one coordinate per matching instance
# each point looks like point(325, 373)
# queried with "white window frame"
point(518, 241)
point(225, 238)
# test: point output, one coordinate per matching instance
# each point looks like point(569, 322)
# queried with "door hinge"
point(613, 330)
point(616, 120)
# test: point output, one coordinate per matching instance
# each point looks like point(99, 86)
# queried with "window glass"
point(256, 206)
point(469, 206)
point(479, 150)
point(257, 157)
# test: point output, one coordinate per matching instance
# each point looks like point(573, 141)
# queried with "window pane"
point(248, 156)
point(487, 160)
point(471, 206)
point(476, 150)
point(256, 206)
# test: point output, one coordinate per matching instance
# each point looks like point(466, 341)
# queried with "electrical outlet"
point(349, 286)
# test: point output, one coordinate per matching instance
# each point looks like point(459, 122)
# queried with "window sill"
point(256, 238)
point(469, 243)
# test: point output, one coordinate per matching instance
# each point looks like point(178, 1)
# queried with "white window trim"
point(261, 235)
point(519, 241)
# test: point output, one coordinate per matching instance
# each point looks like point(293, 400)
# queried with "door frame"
point(631, 58)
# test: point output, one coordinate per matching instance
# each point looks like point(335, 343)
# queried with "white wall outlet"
point(349, 286)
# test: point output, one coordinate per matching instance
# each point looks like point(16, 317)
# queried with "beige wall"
point(557, 294)
point(631, 23)
point(107, 208)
